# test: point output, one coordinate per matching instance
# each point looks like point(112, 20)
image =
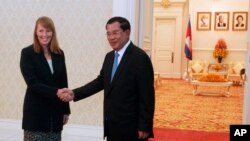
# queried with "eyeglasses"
point(114, 33)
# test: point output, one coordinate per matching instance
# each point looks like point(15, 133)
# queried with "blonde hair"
point(46, 22)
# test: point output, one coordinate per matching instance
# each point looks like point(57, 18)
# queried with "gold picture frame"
point(221, 21)
point(240, 21)
point(203, 21)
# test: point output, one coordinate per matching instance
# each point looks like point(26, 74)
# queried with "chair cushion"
point(237, 68)
point(197, 67)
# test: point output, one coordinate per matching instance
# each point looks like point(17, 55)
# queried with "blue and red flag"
point(188, 44)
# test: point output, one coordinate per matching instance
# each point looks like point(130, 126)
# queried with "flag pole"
point(187, 78)
point(188, 47)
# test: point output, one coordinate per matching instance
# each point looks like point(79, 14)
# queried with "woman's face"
point(240, 19)
point(44, 35)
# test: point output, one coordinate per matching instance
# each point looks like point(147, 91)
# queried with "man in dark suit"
point(128, 95)
point(221, 22)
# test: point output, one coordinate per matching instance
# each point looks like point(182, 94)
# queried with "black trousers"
point(113, 136)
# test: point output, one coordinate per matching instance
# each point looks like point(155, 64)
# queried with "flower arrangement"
point(212, 78)
point(220, 50)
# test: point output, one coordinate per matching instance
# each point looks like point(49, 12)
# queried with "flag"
point(188, 44)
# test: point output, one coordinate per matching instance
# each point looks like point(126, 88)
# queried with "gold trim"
point(165, 3)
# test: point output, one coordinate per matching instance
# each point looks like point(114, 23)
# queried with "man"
point(128, 91)
point(221, 22)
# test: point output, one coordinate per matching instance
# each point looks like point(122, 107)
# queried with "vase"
point(219, 59)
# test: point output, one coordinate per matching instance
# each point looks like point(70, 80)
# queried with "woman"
point(239, 19)
point(44, 71)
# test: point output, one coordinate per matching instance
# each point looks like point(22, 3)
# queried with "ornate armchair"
point(236, 72)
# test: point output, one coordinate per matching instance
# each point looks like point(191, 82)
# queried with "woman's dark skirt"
point(42, 136)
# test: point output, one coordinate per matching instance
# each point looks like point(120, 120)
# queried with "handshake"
point(65, 94)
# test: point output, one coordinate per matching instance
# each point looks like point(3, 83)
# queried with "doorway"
point(164, 46)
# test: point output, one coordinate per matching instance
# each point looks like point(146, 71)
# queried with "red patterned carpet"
point(177, 108)
point(162, 134)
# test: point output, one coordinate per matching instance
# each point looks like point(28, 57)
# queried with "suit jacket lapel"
point(45, 63)
point(121, 65)
point(110, 60)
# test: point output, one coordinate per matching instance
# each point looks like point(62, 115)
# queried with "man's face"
point(221, 19)
point(116, 36)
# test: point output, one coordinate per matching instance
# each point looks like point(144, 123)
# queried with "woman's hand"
point(65, 119)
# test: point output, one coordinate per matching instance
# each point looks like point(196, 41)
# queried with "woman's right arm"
point(29, 75)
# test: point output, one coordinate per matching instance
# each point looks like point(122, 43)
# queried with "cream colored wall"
point(203, 42)
point(80, 27)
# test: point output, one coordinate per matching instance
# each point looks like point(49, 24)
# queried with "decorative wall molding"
point(211, 49)
point(173, 3)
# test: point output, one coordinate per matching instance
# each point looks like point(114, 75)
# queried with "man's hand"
point(142, 135)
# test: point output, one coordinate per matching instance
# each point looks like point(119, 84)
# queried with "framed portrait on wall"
point(221, 21)
point(203, 21)
point(240, 21)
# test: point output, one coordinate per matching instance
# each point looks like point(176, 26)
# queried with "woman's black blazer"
point(43, 110)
